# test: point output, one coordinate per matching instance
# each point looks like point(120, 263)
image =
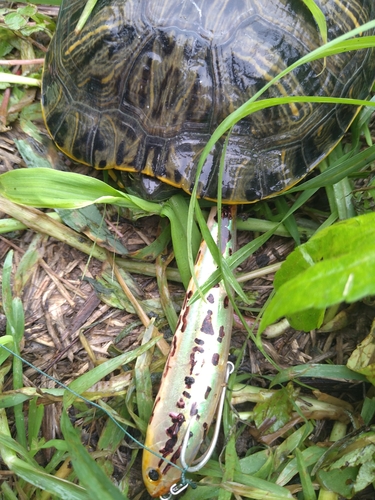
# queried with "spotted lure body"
point(195, 371)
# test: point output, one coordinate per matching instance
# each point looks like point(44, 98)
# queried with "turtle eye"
point(153, 475)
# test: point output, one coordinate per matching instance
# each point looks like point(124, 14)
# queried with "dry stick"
point(4, 110)
point(20, 62)
point(40, 222)
point(162, 344)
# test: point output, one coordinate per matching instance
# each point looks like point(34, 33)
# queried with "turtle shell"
point(144, 84)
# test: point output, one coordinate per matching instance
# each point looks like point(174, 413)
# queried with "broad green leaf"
point(48, 188)
point(339, 481)
point(28, 10)
point(59, 444)
point(335, 265)
point(15, 21)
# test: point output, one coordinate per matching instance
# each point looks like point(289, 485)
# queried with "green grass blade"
point(13, 309)
point(97, 484)
point(319, 18)
point(305, 478)
point(142, 378)
point(330, 372)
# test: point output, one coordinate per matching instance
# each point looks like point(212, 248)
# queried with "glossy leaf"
point(339, 480)
point(336, 265)
point(47, 188)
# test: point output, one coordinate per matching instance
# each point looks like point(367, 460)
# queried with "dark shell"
point(145, 83)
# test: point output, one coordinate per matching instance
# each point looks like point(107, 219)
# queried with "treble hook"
point(176, 489)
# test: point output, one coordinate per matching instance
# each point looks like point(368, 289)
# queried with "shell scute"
point(144, 85)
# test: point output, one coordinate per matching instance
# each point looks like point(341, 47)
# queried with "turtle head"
point(146, 187)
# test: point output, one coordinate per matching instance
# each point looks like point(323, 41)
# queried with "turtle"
point(143, 85)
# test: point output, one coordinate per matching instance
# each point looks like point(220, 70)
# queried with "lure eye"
point(153, 475)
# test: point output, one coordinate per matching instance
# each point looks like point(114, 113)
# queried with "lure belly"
point(195, 371)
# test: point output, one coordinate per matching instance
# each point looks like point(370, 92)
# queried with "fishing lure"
point(195, 374)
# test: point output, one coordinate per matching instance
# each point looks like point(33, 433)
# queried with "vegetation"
point(299, 423)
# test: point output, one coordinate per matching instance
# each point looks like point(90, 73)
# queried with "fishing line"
point(96, 405)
